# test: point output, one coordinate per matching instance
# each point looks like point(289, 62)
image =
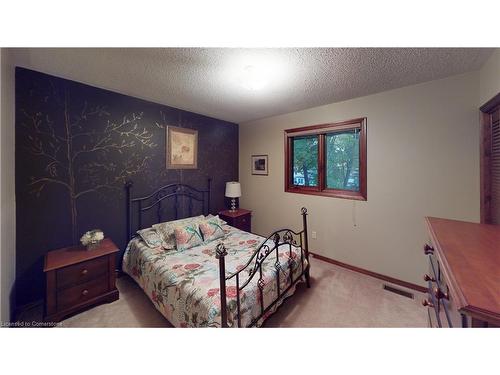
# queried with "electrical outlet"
point(314, 234)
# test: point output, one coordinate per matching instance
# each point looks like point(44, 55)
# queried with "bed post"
point(306, 245)
point(220, 253)
point(128, 188)
point(209, 188)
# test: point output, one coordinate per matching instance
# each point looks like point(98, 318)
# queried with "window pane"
point(342, 160)
point(305, 161)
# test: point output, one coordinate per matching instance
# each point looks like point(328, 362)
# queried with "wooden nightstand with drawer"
point(77, 278)
point(240, 218)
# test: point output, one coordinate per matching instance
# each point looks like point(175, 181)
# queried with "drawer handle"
point(428, 249)
point(84, 272)
point(438, 293)
point(85, 292)
point(428, 278)
point(426, 303)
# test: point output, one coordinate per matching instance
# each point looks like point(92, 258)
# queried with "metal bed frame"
point(283, 237)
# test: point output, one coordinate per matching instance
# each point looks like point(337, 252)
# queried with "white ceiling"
point(208, 80)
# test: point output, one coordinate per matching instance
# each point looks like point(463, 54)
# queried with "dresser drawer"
point(81, 272)
point(241, 219)
point(443, 312)
point(449, 314)
point(432, 318)
point(434, 271)
point(243, 223)
point(75, 295)
point(432, 305)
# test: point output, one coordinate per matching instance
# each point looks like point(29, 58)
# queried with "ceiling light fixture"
point(253, 78)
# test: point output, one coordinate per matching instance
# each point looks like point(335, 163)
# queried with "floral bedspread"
point(184, 286)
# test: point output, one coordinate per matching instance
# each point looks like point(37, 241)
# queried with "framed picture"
point(182, 148)
point(259, 165)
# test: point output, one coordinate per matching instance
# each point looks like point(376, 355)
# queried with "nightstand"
point(77, 278)
point(241, 218)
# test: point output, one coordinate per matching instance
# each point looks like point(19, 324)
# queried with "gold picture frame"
point(182, 148)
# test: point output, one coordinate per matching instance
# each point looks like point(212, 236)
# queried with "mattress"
point(185, 287)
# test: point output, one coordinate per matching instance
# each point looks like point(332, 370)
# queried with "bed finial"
point(303, 211)
point(220, 253)
point(128, 188)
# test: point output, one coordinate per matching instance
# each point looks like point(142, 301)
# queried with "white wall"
point(423, 160)
point(489, 78)
point(7, 187)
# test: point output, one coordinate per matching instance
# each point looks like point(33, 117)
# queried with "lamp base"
point(233, 205)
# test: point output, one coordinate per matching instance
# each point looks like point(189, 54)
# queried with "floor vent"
point(403, 293)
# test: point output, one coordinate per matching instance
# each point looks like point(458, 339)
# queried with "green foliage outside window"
point(305, 161)
point(342, 160)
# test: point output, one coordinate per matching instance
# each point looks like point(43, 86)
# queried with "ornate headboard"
point(136, 207)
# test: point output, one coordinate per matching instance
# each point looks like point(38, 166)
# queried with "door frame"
point(485, 156)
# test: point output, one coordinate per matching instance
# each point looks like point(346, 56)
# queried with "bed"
point(238, 280)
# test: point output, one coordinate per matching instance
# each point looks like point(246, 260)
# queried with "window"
point(327, 159)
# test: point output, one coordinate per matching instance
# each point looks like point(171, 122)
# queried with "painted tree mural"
point(84, 150)
point(76, 144)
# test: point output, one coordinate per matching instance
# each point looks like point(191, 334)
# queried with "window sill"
point(342, 194)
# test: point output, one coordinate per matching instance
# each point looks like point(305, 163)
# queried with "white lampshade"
point(233, 189)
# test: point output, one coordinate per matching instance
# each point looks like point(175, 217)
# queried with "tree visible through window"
point(327, 159)
point(342, 160)
point(305, 161)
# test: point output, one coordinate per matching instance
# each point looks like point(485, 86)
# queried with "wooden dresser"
point(240, 218)
point(464, 274)
point(77, 278)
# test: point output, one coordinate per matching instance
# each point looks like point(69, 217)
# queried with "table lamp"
point(233, 191)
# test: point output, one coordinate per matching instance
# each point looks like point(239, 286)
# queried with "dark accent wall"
point(76, 146)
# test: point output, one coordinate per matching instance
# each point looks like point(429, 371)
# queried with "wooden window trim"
point(321, 130)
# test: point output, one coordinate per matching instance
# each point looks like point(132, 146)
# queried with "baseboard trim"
point(389, 279)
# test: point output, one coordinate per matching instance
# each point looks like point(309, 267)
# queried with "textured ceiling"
point(208, 81)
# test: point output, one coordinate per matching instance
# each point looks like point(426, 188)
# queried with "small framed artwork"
point(182, 148)
point(259, 165)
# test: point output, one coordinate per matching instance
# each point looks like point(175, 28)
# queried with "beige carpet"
point(337, 298)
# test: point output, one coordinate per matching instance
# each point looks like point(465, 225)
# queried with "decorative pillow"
point(210, 216)
point(187, 236)
point(150, 237)
point(166, 229)
point(211, 229)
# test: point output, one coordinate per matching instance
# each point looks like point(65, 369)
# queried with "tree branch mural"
point(90, 154)
point(75, 144)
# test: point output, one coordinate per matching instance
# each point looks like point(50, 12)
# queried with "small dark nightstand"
point(241, 218)
point(78, 278)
